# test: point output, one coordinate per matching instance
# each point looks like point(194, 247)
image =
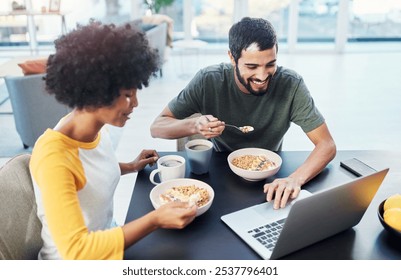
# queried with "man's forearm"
point(170, 128)
point(321, 155)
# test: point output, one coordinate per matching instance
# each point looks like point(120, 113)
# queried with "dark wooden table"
point(208, 238)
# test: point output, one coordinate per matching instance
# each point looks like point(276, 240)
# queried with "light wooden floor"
point(359, 93)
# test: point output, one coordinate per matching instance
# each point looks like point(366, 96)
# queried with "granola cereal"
point(191, 194)
point(253, 163)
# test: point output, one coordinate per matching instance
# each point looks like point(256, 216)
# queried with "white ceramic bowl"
point(164, 186)
point(254, 175)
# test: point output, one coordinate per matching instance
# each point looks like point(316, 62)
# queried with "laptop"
point(307, 219)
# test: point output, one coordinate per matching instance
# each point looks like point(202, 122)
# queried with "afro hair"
point(93, 62)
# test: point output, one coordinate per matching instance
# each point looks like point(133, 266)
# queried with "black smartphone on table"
point(357, 167)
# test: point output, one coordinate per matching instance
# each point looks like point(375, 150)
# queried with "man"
point(252, 90)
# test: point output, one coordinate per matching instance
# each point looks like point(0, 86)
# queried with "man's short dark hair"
point(248, 31)
point(93, 62)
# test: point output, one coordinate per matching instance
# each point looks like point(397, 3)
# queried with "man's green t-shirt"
point(213, 91)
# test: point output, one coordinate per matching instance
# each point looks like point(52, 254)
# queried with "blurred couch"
point(34, 109)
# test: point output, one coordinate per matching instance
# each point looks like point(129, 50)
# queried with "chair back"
point(20, 227)
point(34, 109)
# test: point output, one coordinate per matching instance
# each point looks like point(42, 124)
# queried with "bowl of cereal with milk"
point(183, 189)
point(254, 164)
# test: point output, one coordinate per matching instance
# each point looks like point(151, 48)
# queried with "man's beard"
point(248, 85)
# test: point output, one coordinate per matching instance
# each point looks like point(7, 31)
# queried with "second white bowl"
point(164, 186)
point(251, 175)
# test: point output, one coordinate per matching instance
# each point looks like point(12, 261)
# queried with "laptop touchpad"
point(267, 211)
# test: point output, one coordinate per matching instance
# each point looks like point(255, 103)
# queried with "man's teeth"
point(258, 82)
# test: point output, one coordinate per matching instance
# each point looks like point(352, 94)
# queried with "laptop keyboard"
point(268, 234)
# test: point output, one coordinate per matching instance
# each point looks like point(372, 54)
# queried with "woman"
point(96, 70)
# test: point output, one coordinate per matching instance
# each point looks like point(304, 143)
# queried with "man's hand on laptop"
point(282, 190)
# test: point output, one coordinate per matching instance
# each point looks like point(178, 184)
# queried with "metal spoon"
point(243, 129)
point(169, 197)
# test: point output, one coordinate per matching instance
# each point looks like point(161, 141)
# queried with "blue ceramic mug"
point(199, 152)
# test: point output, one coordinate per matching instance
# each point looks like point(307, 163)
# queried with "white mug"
point(168, 167)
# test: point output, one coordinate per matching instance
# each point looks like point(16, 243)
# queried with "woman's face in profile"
point(118, 112)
